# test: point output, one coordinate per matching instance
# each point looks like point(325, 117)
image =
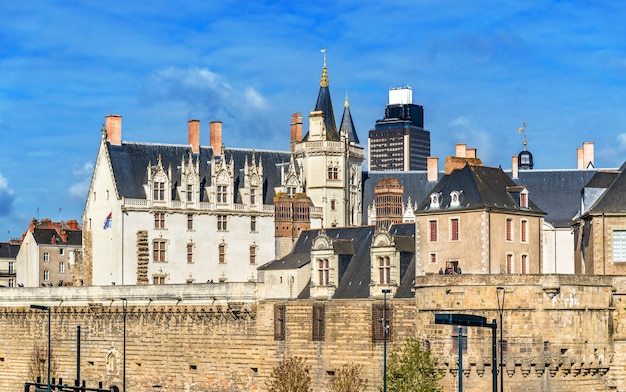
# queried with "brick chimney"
point(515, 167)
point(432, 165)
point(296, 128)
point(216, 137)
point(113, 125)
point(193, 135)
point(72, 224)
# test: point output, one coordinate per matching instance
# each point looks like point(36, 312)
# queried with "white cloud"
point(83, 175)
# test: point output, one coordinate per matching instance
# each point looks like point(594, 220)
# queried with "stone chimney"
point(193, 135)
point(432, 165)
point(113, 125)
point(515, 167)
point(216, 137)
point(461, 150)
point(296, 128)
point(588, 155)
point(470, 153)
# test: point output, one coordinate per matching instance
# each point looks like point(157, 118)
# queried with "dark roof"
point(612, 200)
point(557, 192)
point(602, 179)
point(347, 125)
point(355, 282)
point(130, 162)
point(480, 187)
point(8, 251)
point(44, 237)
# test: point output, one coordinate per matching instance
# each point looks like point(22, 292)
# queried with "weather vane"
point(522, 129)
point(324, 51)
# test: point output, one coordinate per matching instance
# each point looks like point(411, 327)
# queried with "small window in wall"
point(454, 229)
point(318, 322)
point(46, 275)
point(524, 265)
point(279, 321)
point(159, 220)
point(189, 221)
point(159, 249)
point(509, 229)
point(378, 324)
point(61, 251)
point(523, 200)
point(384, 270)
point(61, 268)
point(524, 230)
point(432, 225)
point(222, 253)
point(252, 196)
point(189, 192)
point(509, 263)
point(252, 254)
point(323, 270)
point(433, 258)
point(253, 224)
point(222, 223)
point(46, 257)
point(158, 279)
point(333, 205)
point(190, 253)
point(619, 246)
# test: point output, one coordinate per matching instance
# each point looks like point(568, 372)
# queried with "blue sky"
point(479, 69)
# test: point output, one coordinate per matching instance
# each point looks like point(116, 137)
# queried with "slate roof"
point(557, 192)
point(44, 237)
point(347, 125)
point(612, 200)
point(353, 243)
point(8, 251)
point(130, 162)
point(481, 187)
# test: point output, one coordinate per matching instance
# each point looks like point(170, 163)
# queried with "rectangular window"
point(318, 322)
point(11, 267)
point(279, 321)
point(253, 196)
point(509, 229)
point(323, 271)
point(253, 224)
point(222, 254)
point(189, 192)
point(159, 220)
point(222, 221)
point(189, 221)
point(61, 251)
point(454, 229)
point(252, 254)
point(46, 257)
point(222, 194)
point(433, 258)
point(46, 275)
point(333, 205)
point(619, 246)
point(61, 268)
point(379, 325)
point(158, 279)
point(291, 190)
point(433, 230)
point(11, 282)
point(523, 200)
point(189, 253)
point(524, 262)
point(523, 231)
point(158, 190)
point(384, 270)
point(509, 262)
point(158, 251)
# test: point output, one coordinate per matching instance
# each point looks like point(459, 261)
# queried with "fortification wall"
point(562, 332)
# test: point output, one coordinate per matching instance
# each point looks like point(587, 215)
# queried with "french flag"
point(108, 221)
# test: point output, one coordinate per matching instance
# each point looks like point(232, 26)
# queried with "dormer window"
point(523, 199)
point(455, 199)
point(159, 190)
point(434, 200)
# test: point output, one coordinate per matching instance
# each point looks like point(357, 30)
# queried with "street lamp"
point(499, 290)
point(385, 292)
point(46, 308)
point(124, 305)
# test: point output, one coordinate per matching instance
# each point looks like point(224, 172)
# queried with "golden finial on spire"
point(324, 80)
point(346, 104)
point(522, 129)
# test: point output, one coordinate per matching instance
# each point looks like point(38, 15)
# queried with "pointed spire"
point(347, 125)
point(324, 80)
point(346, 104)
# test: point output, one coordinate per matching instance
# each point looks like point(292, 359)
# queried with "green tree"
point(414, 369)
point(348, 378)
point(290, 375)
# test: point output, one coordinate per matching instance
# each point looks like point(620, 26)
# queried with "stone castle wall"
point(562, 334)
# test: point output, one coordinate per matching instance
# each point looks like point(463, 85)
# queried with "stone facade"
point(562, 333)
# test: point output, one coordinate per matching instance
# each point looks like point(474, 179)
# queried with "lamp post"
point(499, 290)
point(46, 308)
point(124, 305)
point(385, 292)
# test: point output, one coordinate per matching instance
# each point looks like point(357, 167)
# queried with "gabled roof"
point(130, 162)
point(479, 187)
point(45, 237)
point(612, 200)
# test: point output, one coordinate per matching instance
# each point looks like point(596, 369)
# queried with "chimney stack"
point(461, 149)
point(588, 158)
point(193, 135)
point(432, 165)
point(216, 137)
point(515, 165)
point(113, 125)
point(470, 153)
point(296, 128)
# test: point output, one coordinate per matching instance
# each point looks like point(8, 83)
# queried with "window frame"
point(159, 250)
point(455, 229)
